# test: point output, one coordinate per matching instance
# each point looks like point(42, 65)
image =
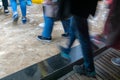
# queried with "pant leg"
point(29, 0)
point(23, 7)
point(5, 4)
point(72, 36)
point(83, 37)
point(66, 25)
point(47, 31)
point(13, 5)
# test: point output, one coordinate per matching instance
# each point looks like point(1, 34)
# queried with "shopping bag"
point(51, 10)
point(37, 1)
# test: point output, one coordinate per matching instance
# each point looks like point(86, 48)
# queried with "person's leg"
point(66, 50)
point(83, 36)
point(5, 4)
point(66, 26)
point(13, 6)
point(47, 31)
point(14, 9)
point(72, 36)
point(23, 10)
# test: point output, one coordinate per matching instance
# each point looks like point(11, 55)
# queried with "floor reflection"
point(46, 67)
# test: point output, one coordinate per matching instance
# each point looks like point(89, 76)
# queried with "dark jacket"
point(83, 7)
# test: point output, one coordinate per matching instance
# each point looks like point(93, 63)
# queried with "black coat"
point(83, 7)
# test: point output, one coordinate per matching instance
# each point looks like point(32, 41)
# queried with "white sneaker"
point(6, 11)
point(116, 61)
point(41, 25)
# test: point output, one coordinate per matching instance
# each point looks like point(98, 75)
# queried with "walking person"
point(50, 7)
point(103, 36)
point(80, 31)
point(15, 12)
point(114, 31)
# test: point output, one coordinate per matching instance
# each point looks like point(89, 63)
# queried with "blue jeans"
point(22, 6)
point(49, 23)
point(79, 30)
point(29, 0)
point(72, 36)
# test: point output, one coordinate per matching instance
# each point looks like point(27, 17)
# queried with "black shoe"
point(44, 38)
point(65, 35)
point(82, 71)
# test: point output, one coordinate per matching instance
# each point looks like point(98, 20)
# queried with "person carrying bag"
point(50, 11)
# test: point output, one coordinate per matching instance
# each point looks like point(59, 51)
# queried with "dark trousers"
point(5, 4)
point(79, 30)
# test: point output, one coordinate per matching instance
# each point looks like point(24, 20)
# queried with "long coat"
point(83, 7)
point(114, 34)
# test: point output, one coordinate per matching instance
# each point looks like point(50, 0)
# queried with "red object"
point(109, 1)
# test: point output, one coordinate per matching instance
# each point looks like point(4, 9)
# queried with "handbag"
point(37, 1)
point(51, 10)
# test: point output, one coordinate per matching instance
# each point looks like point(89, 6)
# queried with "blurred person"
point(15, 12)
point(5, 5)
point(79, 30)
point(112, 29)
point(113, 39)
point(103, 36)
point(49, 7)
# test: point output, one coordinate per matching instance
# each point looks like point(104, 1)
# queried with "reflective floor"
point(46, 67)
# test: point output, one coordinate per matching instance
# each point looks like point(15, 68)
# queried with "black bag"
point(63, 10)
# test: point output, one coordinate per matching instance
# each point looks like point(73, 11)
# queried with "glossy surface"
point(46, 67)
